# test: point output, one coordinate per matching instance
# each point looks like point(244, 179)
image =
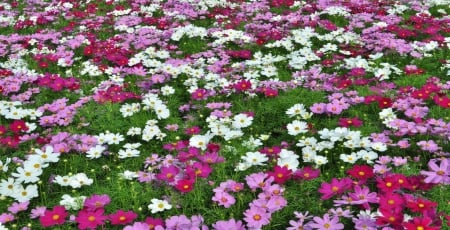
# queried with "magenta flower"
point(438, 174)
point(57, 216)
point(90, 219)
point(336, 187)
point(363, 196)
point(168, 173)
point(326, 223)
point(96, 202)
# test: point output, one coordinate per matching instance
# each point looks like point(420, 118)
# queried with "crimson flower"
point(421, 205)
point(280, 174)
point(121, 217)
point(306, 173)
point(347, 122)
point(422, 223)
point(361, 172)
point(57, 216)
point(243, 85)
point(185, 185)
point(384, 102)
point(17, 126)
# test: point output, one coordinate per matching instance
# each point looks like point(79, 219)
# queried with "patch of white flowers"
point(22, 185)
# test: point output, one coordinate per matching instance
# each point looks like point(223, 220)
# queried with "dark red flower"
point(184, 185)
point(17, 126)
point(361, 172)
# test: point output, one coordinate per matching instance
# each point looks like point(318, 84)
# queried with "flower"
point(256, 217)
point(326, 223)
point(224, 199)
point(90, 219)
point(184, 185)
point(159, 205)
point(420, 223)
point(306, 173)
point(280, 174)
point(439, 174)
point(96, 202)
point(138, 226)
point(335, 187)
point(296, 127)
point(361, 172)
point(121, 217)
point(231, 224)
point(18, 207)
point(57, 216)
point(347, 122)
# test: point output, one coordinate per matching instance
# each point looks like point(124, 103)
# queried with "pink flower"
point(256, 217)
point(438, 174)
point(318, 108)
point(224, 199)
point(327, 223)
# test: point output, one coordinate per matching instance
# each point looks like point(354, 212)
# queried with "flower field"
point(225, 114)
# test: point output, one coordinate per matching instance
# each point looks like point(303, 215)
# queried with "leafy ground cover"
point(195, 114)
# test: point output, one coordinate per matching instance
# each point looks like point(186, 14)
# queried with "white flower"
point(159, 206)
point(320, 160)
point(4, 166)
point(167, 90)
point(308, 154)
point(134, 131)
point(296, 127)
point(128, 175)
point(79, 180)
point(72, 203)
point(349, 158)
point(368, 156)
point(35, 163)
point(62, 180)
point(22, 194)
point(310, 141)
point(241, 121)
point(114, 138)
point(27, 175)
point(242, 166)
point(255, 158)
point(200, 141)
point(95, 152)
point(162, 112)
point(126, 153)
point(8, 187)
point(379, 146)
